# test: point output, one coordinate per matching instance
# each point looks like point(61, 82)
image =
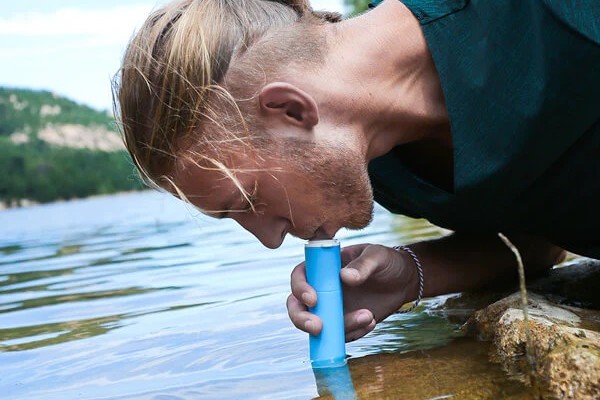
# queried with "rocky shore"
point(558, 352)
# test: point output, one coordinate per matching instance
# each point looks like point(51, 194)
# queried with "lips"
point(320, 234)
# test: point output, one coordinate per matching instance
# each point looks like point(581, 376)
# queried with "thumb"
point(362, 267)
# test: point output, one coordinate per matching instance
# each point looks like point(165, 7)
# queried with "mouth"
point(320, 234)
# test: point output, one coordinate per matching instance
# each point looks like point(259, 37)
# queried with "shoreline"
point(20, 203)
point(27, 203)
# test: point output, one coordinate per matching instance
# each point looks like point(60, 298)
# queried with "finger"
point(358, 270)
point(301, 318)
point(357, 334)
point(300, 288)
point(358, 319)
point(349, 253)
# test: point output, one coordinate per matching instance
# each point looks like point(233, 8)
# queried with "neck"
point(382, 81)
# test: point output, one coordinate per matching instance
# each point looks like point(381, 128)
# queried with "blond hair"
point(190, 66)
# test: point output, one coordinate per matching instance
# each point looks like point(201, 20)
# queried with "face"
point(309, 192)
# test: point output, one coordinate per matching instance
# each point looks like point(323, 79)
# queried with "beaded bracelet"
point(419, 272)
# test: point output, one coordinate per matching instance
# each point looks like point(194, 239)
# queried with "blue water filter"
point(323, 264)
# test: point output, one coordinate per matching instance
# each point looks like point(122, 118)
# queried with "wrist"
point(415, 276)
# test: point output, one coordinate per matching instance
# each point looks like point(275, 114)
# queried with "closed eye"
point(248, 204)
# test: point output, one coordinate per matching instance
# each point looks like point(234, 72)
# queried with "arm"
point(462, 262)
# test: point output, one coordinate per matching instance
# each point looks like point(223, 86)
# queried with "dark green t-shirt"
point(521, 80)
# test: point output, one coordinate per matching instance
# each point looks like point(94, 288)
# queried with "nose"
point(269, 231)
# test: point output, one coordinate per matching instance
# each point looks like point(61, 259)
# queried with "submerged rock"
point(459, 370)
point(561, 359)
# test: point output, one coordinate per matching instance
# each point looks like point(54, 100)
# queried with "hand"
point(376, 281)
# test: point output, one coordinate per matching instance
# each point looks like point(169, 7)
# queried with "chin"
point(361, 219)
point(358, 225)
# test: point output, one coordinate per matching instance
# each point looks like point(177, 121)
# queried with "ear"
point(290, 104)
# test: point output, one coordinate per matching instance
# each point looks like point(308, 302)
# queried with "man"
point(482, 117)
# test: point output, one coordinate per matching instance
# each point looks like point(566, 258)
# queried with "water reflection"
point(77, 297)
point(459, 370)
point(135, 296)
point(31, 337)
point(419, 330)
point(7, 250)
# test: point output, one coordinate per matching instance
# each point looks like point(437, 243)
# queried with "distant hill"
point(54, 148)
point(55, 120)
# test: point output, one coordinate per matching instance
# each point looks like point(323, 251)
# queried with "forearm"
point(462, 262)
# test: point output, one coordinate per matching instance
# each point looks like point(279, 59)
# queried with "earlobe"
point(291, 104)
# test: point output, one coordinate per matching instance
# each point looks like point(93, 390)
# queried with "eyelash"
point(251, 199)
point(248, 204)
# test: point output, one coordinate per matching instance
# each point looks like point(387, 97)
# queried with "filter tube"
point(323, 264)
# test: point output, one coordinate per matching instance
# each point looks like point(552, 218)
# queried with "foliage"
point(42, 172)
point(24, 110)
point(356, 6)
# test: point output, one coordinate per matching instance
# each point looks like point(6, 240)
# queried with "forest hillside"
point(53, 148)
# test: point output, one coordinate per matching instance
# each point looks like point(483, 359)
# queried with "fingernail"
point(307, 298)
point(363, 319)
point(309, 325)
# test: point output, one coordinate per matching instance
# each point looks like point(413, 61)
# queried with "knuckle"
point(375, 247)
point(297, 276)
point(289, 303)
point(373, 255)
point(297, 324)
point(297, 290)
point(297, 270)
point(296, 321)
point(293, 305)
point(294, 279)
point(385, 255)
point(377, 252)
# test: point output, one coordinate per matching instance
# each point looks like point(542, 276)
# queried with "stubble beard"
point(345, 195)
point(343, 177)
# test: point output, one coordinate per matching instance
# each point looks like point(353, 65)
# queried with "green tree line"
point(42, 172)
point(21, 110)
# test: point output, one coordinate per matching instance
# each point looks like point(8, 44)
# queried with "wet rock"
point(575, 283)
point(458, 308)
point(561, 357)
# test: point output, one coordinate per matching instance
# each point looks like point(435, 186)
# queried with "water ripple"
point(136, 296)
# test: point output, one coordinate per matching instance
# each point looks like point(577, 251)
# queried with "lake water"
point(137, 296)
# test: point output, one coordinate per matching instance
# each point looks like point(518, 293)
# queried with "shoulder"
point(427, 11)
point(582, 16)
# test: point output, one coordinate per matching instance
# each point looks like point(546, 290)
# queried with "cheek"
point(307, 204)
point(350, 199)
